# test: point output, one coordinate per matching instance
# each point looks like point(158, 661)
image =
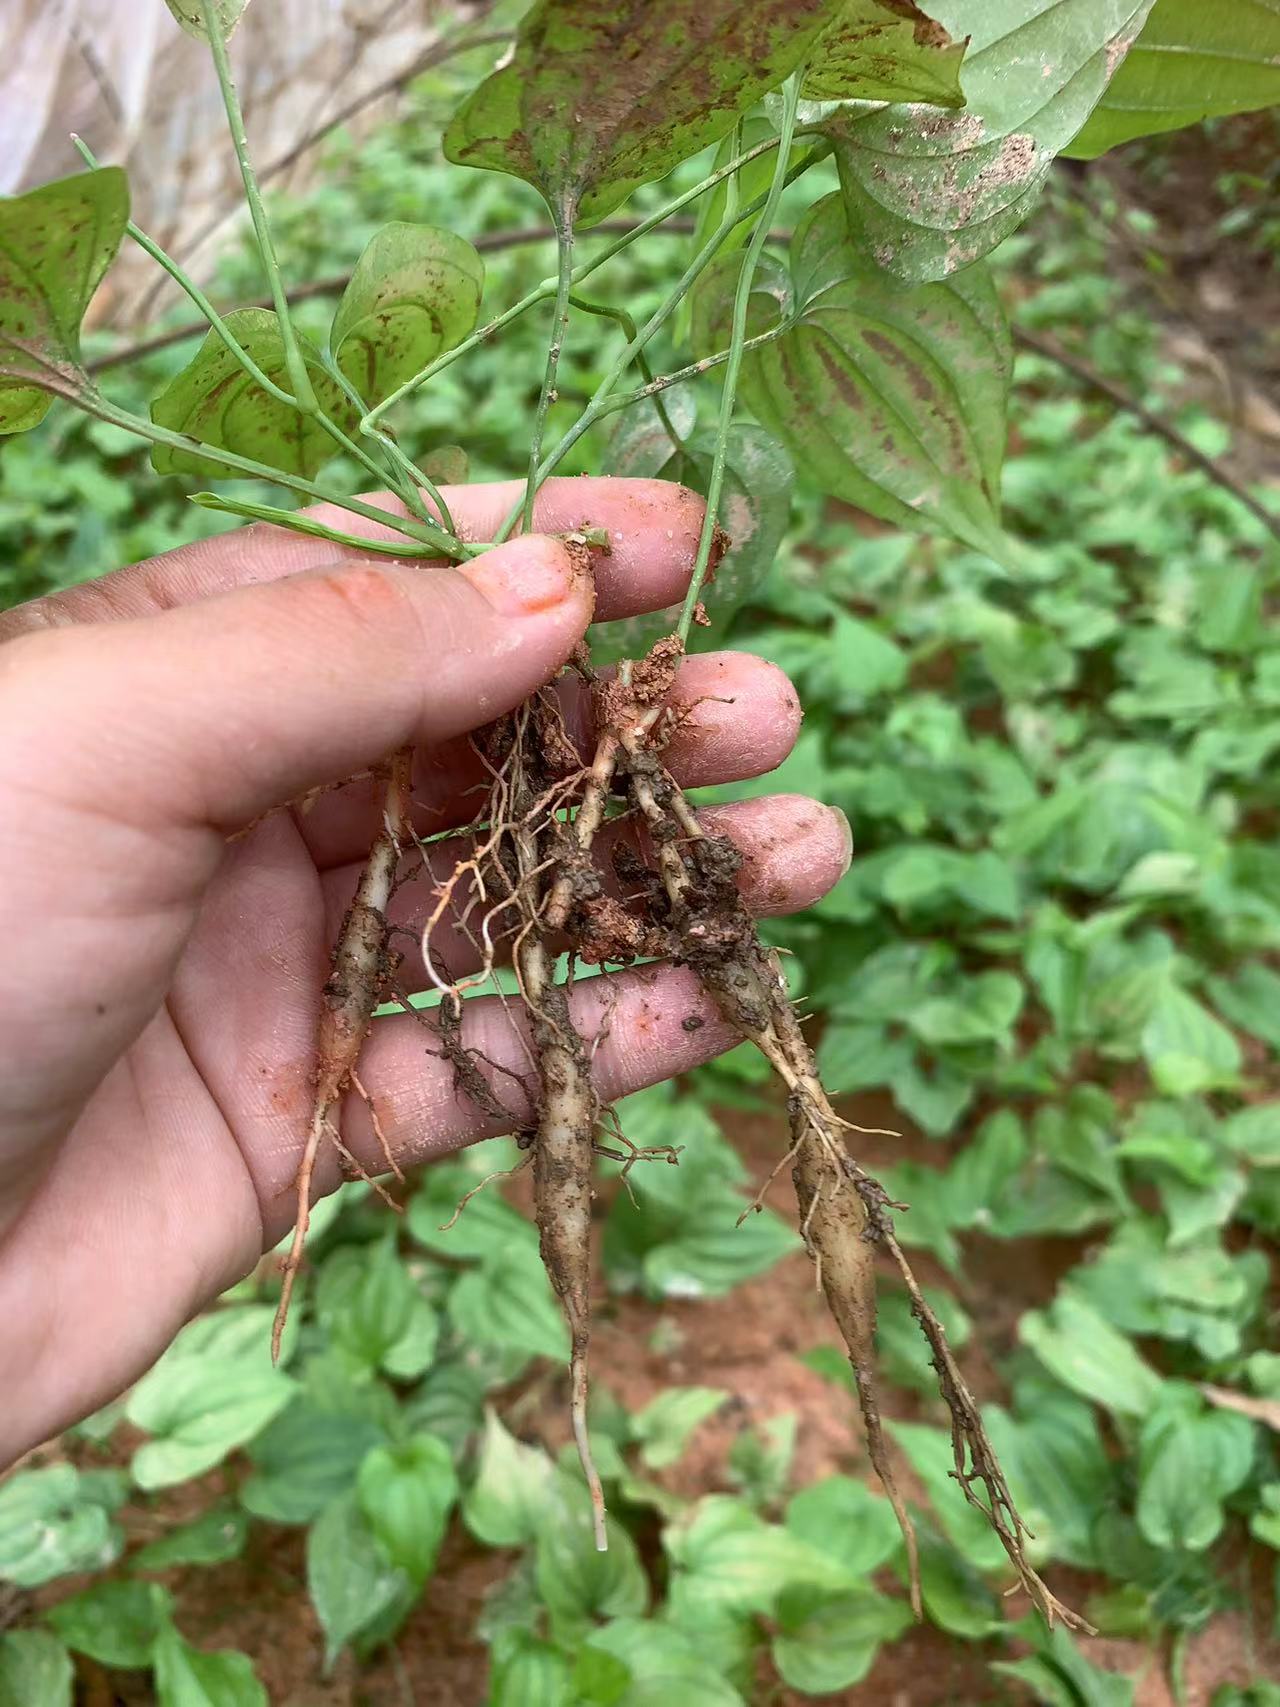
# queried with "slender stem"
point(548, 286)
point(559, 330)
point(406, 480)
point(598, 405)
point(217, 324)
point(652, 387)
point(297, 522)
point(664, 381)
point(442, 543)
point(222, 331)
point(737, 340)
point(299, 379)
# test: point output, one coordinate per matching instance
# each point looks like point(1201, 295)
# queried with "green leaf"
point(56, 243)
point(578, 1583)
point(350, 1580)
point(190, 1677)
point(486, 1226)
point(35, 1670)
point(666, 1665)
point(115, 1623)
point(190, 14)
point(884, 50)
point(827, 1642)
point(210, 1539)
point(983, 1010)
point(51, 1525)
point(406, 1492)
point(1187, 1048)
point(760, 1459)
point(1251, 1000)
point(933, 1459)
point(665, 1424)
point(1087, 1355)
point(728, 1560)
point(755, 509)
point(214, 400)
point(956, 1596)
point(375, 1311)
point(1254, 1133)
point(307, 1456)
point(844, 1519)
point(505, 1504)
point(930, 192)
point(415, 292)
point(508, 1304)
point(213, 1390)
point(601, 96)
point(1191, 1457)
point(1191, 62)
point(890, 399)
point(527, 1670)
point(1060, 1676)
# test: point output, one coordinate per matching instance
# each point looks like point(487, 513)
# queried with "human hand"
point(159, 987)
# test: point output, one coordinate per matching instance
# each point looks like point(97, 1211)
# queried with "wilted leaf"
point(56, 243)
point(930, 192)
point(190, 14)
point(891, 399)
point(1192, 61)
point(214, 400)
point(601, 96)
point(415, 292)
point(886, 50)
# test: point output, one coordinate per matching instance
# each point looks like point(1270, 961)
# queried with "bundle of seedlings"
point(878, 356)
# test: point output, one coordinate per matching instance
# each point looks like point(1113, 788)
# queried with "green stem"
point(651, 387)
point(93, 403)
point(737, 342)
point(184, 282)
point(559, 330)
point(547, 288)
point(682, 376)
point(296, 522)
point(223, 332)
point(598, 405)
point(303, 395)
point(407, 480)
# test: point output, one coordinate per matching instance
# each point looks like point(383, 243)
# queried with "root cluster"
point(533, 889)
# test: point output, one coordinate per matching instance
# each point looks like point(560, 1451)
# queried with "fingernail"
point(846, 831)
point(520, 581)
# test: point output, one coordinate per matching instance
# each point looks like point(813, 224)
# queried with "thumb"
point(216, 712)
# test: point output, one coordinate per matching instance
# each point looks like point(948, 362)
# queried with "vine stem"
point(733, 362)
point(568, 212)
point(547, 288)
point(652, 386)
point(600, 404)
point(442, 544)
point(260, 378)
point(303, 394)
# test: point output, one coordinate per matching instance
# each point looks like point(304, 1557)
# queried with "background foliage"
point(1064, 922)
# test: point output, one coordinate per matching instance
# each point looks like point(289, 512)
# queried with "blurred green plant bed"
point(1056, 953)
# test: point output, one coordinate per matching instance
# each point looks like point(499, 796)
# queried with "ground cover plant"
point(1000, 842)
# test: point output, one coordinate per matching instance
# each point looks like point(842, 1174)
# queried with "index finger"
point(653, 528)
